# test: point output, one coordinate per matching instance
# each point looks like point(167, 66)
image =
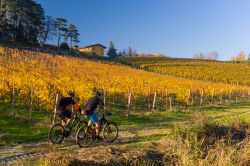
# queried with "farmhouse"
point(97, 49)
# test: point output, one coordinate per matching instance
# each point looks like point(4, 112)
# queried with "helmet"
point(96, 92)
point(71, 94)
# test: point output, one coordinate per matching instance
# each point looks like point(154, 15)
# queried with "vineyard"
point(37, 77)
point(206, 70)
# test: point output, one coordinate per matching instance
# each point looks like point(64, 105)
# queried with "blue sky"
point(177, 28)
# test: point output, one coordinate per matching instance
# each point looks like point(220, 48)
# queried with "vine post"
point(31, 103)
point(129, 103)
point(54, 115)
point(153, 107)
point(202, 95)
point(12, 100)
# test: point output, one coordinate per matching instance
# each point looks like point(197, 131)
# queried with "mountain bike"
point(86, 134)
point(58, 132)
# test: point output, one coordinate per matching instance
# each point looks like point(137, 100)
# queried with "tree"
point(124, 53)
point(212, 55)
point(21, 20)
point(112, 51)
point(72, 34)
point(60, 24)
point(48, 30)
point(199, 55)
point(130, 51)
point(240, 57)
point(64, 46)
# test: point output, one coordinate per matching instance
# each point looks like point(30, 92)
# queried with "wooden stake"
point(153, 108)
point(201, 101)
point(54, 116)
point(166, 101)
point(12, 100)
point(31, 103)
point(170, 102)
point(104, 98)
point(129, 102)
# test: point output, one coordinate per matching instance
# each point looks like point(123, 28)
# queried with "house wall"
point(98, 50)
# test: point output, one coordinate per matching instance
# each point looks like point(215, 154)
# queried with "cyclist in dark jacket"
point(89, 108)
point(63, 107)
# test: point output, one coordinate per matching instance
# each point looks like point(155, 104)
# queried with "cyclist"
point(89, 108)
point(63, 109)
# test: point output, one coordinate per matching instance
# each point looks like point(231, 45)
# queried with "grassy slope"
point(140, 133)
point(19, 129)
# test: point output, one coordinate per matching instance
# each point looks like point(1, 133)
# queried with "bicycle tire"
point(107, 131)
point(59, 131)
point(84, 136)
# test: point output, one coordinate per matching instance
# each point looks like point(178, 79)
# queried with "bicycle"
point(58, 132)
point(86, 134)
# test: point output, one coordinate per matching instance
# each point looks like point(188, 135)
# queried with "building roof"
point(94, 45)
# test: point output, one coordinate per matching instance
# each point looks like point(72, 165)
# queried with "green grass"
point(19, 129)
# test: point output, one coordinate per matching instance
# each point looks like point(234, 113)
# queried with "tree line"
point(24, 21)
point(113, 52)
point(130, 52)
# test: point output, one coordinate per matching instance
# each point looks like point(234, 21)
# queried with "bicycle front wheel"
point(79, 124)
point(110, 132)
point(84, 136)
point(56, 134)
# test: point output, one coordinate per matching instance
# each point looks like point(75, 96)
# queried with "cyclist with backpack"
point(89, 108)
point(63, 108)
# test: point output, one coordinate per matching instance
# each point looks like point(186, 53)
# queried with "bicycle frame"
point(74, 121)
point(102, 122)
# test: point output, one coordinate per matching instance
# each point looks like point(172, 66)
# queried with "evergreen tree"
point(60, 24)
point(72, 34)
point(112, 51)
point(21, 20)
point(124, 53)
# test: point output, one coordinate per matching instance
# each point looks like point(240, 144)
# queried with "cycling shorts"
point(93, 117)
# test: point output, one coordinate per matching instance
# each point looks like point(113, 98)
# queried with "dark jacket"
point(92, 104)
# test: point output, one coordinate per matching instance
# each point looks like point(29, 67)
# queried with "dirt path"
point(35, 150)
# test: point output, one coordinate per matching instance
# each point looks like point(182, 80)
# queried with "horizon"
point(178, 29)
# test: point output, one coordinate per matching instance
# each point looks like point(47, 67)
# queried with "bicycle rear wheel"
point(84, 136)
point(110, 132)
point(56, 134)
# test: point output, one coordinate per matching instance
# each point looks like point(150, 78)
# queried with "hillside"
point(45, 75)
point(207, 70)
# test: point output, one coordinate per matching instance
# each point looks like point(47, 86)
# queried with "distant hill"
point(150, 55)
point(206, 70)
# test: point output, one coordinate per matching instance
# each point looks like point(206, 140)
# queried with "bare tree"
point(48, 31)
point(212, 55)
point(199, 55)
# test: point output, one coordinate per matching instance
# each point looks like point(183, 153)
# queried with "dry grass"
point(203, 143)
point(56, 158)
